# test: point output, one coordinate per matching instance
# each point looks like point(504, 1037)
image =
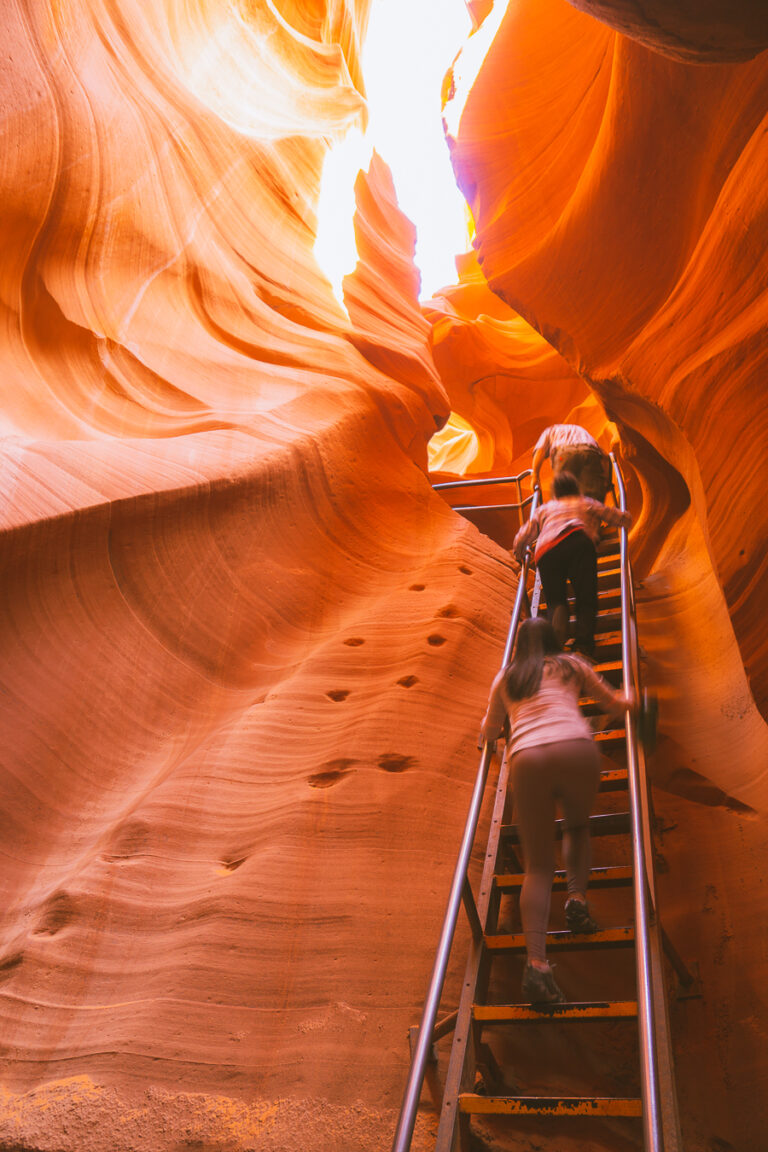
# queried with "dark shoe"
point(578, 919)
point(539, 987)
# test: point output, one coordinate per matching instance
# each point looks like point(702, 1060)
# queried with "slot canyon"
point(246, 646)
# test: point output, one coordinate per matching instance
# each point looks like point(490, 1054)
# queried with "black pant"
point(574, 559)
point(567, 771)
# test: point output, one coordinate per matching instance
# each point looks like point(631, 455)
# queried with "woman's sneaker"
point(578, 919)
point(540, 987)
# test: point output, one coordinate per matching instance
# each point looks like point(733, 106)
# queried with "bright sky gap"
point(408, 49)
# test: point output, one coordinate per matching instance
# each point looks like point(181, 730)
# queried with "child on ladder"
point(567, 531)
point(553, 759)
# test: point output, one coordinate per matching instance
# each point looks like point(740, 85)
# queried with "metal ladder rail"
point(460, 888)
point(661, 1131)
point(660, 1122)
point(476, 971)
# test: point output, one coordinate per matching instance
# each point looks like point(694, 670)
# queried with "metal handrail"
point(491, 507)
point(488, 480)
point(518, 480)
point(407, 1118)
point(653, 1138)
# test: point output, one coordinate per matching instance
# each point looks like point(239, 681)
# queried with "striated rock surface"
point(688, 30)
point(224, 776)
point(502, 378)
point(505, 384)
point(382, 294)
point(231, 600)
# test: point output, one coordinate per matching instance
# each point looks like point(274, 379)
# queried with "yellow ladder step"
point(608, 877)
point(614, 781)
point(609, 735)
point(603, 824)
point(560, 941)
point(607, 639)
point(470, 1104)
point(591, 1010)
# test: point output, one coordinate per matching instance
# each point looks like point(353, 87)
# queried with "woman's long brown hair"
point(536, 640)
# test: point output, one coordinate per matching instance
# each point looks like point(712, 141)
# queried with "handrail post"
point(409, 1108)
point(652, 1127)
point(484, 482)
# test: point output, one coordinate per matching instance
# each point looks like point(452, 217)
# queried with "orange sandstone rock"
point(501, 376)
point(382, 294)
point(231, 601)
point(712, 30)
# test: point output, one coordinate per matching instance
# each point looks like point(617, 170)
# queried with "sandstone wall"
point(231, 602)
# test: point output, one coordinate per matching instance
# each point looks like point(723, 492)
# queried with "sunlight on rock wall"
point(158, 275)
point(230, 597)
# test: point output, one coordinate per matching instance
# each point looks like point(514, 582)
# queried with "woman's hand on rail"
point(629, 700)
point(489, 733)
point(482, 741)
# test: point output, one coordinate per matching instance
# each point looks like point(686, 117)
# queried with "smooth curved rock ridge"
point(200, 742)
point(503, 380)
point(271, 71)
point(723, 31)
point(158, 277)
point(382, 294)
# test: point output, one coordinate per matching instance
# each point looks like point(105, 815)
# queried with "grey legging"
point(568, 772)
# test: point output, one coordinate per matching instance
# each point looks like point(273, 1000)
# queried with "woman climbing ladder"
point(552, 759)
point(567, 530)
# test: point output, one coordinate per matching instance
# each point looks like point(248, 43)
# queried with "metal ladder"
point(472, 1059)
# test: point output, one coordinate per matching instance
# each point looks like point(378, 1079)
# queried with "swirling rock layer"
point(230, 597)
